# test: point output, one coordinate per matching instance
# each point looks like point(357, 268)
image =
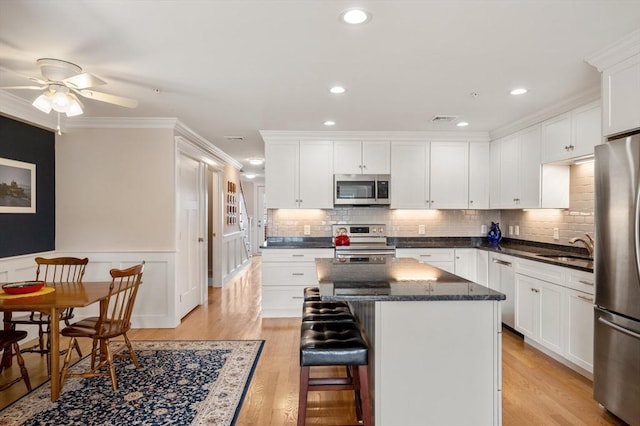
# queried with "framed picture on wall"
point(17, 186)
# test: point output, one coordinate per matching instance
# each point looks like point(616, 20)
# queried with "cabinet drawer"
point(580, 280)
point(281, 301)
point(428, 255)
point(292, 274)
point(540, 270)
point(294, 255)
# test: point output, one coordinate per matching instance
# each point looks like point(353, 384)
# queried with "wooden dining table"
point(67, 295)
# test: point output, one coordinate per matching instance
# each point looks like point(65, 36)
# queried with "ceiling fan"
point(60, 84)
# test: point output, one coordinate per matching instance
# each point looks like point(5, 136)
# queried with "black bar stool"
point(326, 311)
point(331, 343)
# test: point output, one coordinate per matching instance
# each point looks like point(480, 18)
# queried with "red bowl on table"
point(22, 287)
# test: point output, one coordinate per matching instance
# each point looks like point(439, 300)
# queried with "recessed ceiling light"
point(249, 176)
point(518, 91)
point(329, 123)
point(337, 90)
point(462, 124)
point(256, 161)
point(355, 16)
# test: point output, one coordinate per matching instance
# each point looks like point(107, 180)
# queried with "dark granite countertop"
point(395, 279)
point(297, 243)
point(519, 248)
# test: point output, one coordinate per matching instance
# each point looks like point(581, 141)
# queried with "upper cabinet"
point(449, 175)
point(439, 175)
point(299, 174)
point(573, 134)
point(362, 157)
point(410, 175)
point(519, 180)
point(620, 96)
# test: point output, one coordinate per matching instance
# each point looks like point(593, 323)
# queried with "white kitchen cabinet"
point(586, 129)
point(449, 167)
point(554, 308)
point(362, 157)
point(479, 174)
point(573, 134)
point(440, 258)
point(502, 278)
point(523, 181)
point(410, 175)
point(578, 328)
point(466, 263)
point(482, 267)
point(495, 196)
point(510, 172)
point(299, 174)
point(556, 138)
point(285, 274)
point(620, 94)
point(539, 311)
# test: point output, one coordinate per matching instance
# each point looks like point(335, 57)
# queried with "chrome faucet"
point(588, 242)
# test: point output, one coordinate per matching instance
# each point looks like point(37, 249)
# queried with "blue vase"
point(495, 234)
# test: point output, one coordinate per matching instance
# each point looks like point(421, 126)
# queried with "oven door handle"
point(348, 253)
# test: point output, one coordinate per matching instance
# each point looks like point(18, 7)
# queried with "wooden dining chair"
point(10, 339)
point(114, 321)
point(57, 270)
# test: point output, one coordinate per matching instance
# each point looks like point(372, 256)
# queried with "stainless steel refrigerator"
point(616, 364)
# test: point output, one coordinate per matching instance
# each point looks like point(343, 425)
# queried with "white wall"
point(115, 190)
point(115, 204)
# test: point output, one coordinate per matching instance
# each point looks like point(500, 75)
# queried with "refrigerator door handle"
point(619, 328)
point(636, 227)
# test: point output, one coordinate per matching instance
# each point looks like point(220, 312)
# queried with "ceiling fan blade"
point(83, 81)
point(34, 79)
point(105, 97)
point(24, 87)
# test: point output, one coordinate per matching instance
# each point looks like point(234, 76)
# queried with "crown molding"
point(187, 133)
point(616, 52)
point(588, 96)
point(310, 135)
point(122, 123)
point(20, 109)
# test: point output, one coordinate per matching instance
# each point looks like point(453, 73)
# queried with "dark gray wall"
point(23, 233)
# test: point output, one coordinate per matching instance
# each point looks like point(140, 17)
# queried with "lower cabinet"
point(440, 258)
point(554, 309)
point(285, 274)
point(538, 312)
point(578, 328)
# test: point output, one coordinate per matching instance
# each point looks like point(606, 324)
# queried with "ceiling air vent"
point(234, 138)
point(444, 118)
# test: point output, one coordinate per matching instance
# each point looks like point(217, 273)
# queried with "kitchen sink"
point(565, 257)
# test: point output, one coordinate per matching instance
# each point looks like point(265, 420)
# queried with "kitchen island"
point(435, 339)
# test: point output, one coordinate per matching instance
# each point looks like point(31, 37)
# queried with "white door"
point(215, 224)
point(449, 175)
point(189, 276)
point(260, 223)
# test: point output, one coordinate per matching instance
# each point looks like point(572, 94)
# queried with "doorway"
point(189, 265)
point(214, 222)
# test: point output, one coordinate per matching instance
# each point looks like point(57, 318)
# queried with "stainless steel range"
point(367, 243)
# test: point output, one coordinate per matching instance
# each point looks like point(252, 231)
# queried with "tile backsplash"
point(534, 225)
point(539, 225)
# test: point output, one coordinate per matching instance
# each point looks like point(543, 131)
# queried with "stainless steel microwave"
point(361, 190)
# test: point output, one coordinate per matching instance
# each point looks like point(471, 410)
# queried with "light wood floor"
point(537, 390)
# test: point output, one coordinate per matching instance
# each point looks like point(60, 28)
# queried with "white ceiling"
point(234, 67)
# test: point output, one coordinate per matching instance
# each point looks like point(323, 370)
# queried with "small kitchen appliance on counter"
point(367, 243)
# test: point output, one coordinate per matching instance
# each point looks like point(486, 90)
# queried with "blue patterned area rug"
point(178, 383)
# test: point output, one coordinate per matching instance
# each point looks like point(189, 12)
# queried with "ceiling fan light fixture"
point(43, 103)
point(75, 107)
